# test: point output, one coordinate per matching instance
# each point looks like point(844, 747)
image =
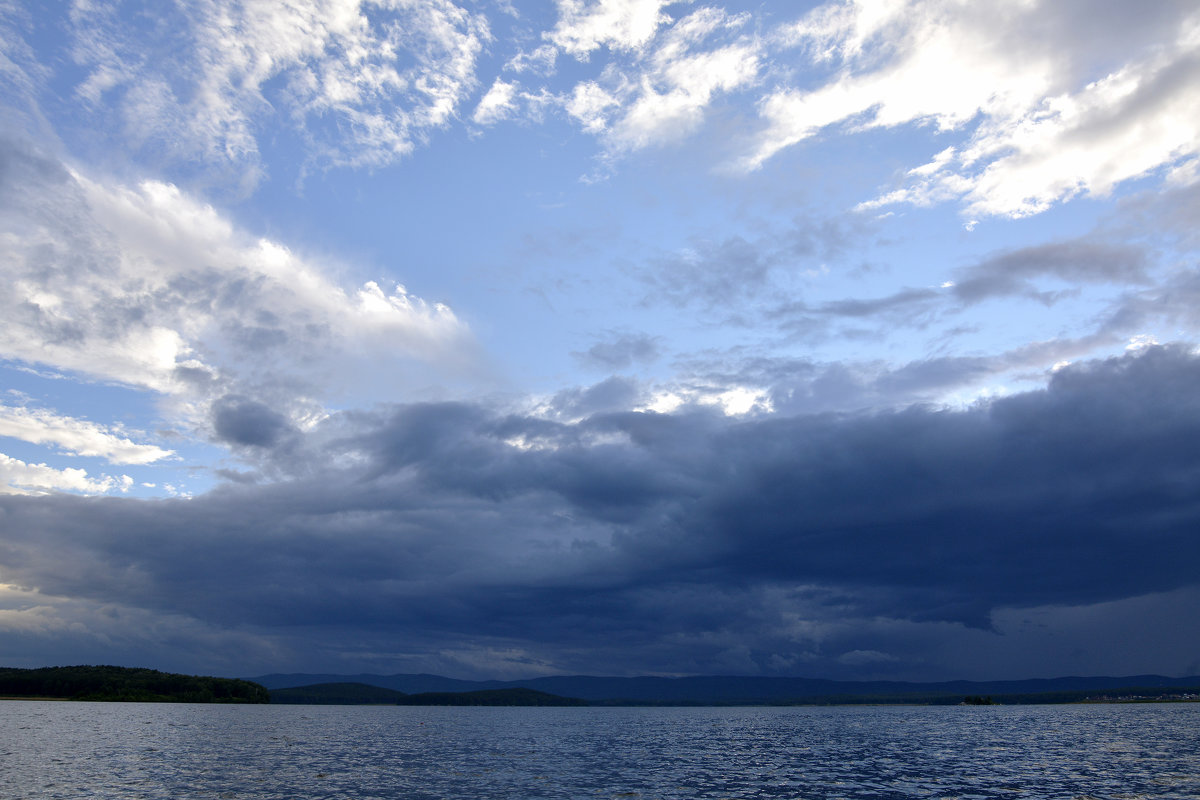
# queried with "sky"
point(855, 339)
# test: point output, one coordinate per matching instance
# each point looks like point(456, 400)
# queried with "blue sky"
point(853, 339)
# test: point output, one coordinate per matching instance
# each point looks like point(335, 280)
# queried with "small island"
point(125, 684)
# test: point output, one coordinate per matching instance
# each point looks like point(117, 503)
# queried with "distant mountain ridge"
point(738, 689)
point(365, 694)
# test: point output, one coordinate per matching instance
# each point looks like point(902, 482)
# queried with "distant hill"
point(738, 690)
point(408, 683)
point(341, 694)
point(363, 694)
point(126, 684)
point(491, 697)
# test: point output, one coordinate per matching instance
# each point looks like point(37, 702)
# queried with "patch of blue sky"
point(76, 395)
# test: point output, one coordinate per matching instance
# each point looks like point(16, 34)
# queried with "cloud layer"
point(810, 538)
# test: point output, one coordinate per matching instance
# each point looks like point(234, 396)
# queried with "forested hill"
point(126, 684)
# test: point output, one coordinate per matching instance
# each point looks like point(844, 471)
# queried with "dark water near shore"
point(96, 750)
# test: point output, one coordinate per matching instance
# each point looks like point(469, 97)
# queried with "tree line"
point(130, 684)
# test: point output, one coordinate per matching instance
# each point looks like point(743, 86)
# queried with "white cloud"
point(151, 287)
point(540, 60)
point(732, 401)
point(1020, 77)
point(663, 94)
point(386, 71)
point(586, 25)
point(939, 62)
point(76, 436)
point(680, 83)
point(589, 104)
point(18, 477)
point(498, 104)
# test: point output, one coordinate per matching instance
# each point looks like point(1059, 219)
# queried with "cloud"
point(76, 436)
point(1045, 273)
point(611, 394)
point(620, 351)
point(68, 631)
point(672, 94)
point(18, 477)
point(364, 82)
point(245, 422)
point(620, 24)
point(439, 523)
point(151, 287)
point(1072, 262)
point(1054, 104)
point(714, 273)
point(797, 385)
point(497, 104)
point(662, 92)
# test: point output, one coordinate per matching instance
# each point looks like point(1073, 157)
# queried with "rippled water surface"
point(99, 750)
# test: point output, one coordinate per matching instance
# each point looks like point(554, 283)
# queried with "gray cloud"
point(241, 421)
point(734, 271)
point(1073, 262)
point(620, 351)
point(611, 394)
point(685, 539)
point(710, 273)
point(1044, 273)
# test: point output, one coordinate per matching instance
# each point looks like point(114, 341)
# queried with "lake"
point(113, 750)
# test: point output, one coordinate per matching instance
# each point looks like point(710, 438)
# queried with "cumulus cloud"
point(439, 523)
point(76, 436)
point(150, 286)
point(19, 477)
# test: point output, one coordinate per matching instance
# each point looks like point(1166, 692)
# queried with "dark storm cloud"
point(638, 540)
point(241, 421)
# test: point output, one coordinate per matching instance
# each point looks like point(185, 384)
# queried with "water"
point(99, 750)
